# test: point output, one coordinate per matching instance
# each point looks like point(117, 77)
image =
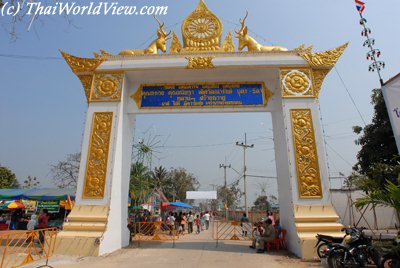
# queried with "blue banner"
point(204, 95)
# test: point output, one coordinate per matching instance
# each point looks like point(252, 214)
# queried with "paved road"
point(190, 251)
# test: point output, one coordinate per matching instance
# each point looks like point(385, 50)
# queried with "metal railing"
point(154, 231)
point(21, 247)
point(232, 230)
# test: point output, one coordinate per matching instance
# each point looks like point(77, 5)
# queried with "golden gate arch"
point(205, 72)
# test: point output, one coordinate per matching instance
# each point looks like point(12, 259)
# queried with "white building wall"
point(341, 200)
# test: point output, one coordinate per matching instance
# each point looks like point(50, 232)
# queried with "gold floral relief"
point(296, 83)
point(321, 59)
point(86, 81)
point(99, 146)
point(81, 65)
point(200, 63)
point(305, 152)
point(318, 76)
point(107, 87)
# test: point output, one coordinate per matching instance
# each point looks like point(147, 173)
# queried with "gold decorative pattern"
point(99, 146)
point(201, 30)
point(81, 65)
point(107, 87)
point(86, 81)
point(321, 59)
point(176, 46)
point(318, 76)
point(296, 83)
point(305, 152)
point(200, 63)
point(228, 45)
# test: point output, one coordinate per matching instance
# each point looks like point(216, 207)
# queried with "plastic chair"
point(276, 243)
point(283, 238)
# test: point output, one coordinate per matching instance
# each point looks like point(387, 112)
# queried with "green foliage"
point(31, 182)
point(140, 186)
point(375, 177)
point(159, 178)
point(179, 181)
point(377, 141)
point(389, 197)
point(173, 183)
point(8, 179)
point(229, 195)
point(262, 203)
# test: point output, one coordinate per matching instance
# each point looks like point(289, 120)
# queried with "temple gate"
point(200, 76)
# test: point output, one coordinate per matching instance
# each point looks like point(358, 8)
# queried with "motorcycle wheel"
point(321, 248)
point(390, 262)
point(336, 260)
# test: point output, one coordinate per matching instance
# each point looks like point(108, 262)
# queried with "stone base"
point(313, 219)
point(82, 233)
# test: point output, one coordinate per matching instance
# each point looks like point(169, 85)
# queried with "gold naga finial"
point(252, 45)
point(158, 44)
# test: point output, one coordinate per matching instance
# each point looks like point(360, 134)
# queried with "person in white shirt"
point(31, 223)
point(30, 227)
point(207, 219)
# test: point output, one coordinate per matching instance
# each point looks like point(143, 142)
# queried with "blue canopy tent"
point(179, 205)
point(37, 194)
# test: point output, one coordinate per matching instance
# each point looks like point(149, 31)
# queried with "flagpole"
point(373, 53)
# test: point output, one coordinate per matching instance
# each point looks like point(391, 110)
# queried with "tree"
point(16, 15)
point(179, 181)
point(140, 185)
point(65, 173)
point(377, 141)
point(8, 179)
point(230, 195)
point(375, 177)
point(31, 182)
point(390, 197)
point(159, 178)
point(262, 203)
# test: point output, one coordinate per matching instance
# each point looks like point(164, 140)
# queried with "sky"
point(43, 107)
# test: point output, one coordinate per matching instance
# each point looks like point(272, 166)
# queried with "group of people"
point(182, 221)
point(265, 231)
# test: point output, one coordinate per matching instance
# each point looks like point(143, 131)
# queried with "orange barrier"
point(21, 247)
point(154, 231)
point(232, 230)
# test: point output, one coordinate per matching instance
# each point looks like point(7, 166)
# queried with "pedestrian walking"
point(197, 222)
point(190, 220)
point(43, 220)
point(207, 219)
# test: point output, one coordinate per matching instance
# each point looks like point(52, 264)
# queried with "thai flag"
point(360, 6)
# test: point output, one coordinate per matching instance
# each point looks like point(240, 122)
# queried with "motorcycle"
point(324, 242)
point(356, 250)
point(391, 259)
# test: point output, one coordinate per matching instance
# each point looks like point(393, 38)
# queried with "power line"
point(333, 150)
point(29, 57)
point(351, 97)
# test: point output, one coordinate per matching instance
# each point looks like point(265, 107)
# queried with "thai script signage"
point(51, 206)
point(202, 95)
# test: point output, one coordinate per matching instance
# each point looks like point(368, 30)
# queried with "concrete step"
point(85, 226)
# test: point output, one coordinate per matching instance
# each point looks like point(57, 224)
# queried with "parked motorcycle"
point(325, 241)
point(391, 259)
point(356, 250)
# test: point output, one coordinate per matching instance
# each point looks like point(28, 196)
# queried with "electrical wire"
point(350, 96)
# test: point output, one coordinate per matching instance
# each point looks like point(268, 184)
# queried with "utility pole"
point(245, 146)
point(226, 190)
